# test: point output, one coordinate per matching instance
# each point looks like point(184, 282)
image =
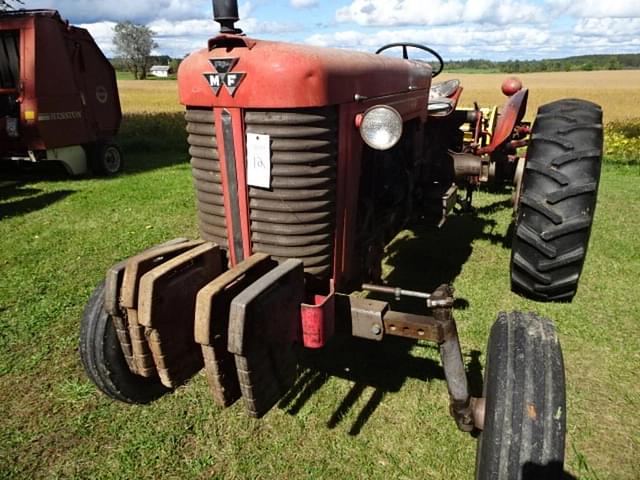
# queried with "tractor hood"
point(237, 71)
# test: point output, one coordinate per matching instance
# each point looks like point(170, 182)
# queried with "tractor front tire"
point(105, 158)
point(525, 412)
point(558, 200)
point(103, 360)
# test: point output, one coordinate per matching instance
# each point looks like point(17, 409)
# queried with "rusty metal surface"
point(452, 363)
point(419, 327)
point(511, 114)
point(363, 316)
point(212, 323)
point(113, 284)
point(264, 327)
point(115, 276)
point(167, 301)
point(135, 268)
point(295, 218)
point(314, 76)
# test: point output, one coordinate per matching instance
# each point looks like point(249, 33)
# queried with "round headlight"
point(381, 127)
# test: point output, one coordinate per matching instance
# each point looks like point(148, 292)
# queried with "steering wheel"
point(405, 53)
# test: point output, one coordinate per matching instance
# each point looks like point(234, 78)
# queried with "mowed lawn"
point(359, 410)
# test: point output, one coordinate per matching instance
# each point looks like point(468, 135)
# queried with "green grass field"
point(360, 410)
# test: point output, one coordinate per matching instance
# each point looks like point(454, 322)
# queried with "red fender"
point(511, 114)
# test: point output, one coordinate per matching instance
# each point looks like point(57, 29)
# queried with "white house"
point(161, 71)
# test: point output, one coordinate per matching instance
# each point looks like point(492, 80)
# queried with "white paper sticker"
point(258, 160)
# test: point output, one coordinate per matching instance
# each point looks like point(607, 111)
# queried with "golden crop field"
point(617, 91)
point(149, 96)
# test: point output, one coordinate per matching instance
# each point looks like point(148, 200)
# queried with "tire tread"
point(525, 418)
point(558, 200)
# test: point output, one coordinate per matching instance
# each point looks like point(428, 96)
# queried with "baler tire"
point(525, 407)
point(558, 200)
point(105, 158)
point(103, 360)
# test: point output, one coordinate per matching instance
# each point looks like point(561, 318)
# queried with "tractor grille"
point(205, 166)
point(296, 218)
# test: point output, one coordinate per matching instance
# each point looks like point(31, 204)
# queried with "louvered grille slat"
point(322, 194)
point(202, 141)
point(296, 218)
point(205, 164)
point(207, 182)
point(205, 153)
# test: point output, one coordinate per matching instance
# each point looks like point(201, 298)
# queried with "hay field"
point(617, 91)
point(149, 96)
point(151, 104)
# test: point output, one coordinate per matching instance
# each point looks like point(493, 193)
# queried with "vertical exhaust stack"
point(225, 12)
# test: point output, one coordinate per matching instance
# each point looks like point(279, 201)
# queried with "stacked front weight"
point(112, 294)
point(212, 324)
point(175, 309)
point(136, 267)
point(167, 302)
point(248, 324)
point(264, 328)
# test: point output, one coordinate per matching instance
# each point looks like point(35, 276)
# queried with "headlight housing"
point(381, 127)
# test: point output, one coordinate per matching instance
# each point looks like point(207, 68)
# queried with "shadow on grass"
point(422, 261)
point(534, 471)
point(27, 200)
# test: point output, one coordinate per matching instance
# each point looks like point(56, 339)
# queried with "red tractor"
point(306, 162)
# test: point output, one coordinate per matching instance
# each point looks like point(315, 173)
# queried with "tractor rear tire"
point(525, 412)
point(105, 158)
point(558, 200)
point(103, 360)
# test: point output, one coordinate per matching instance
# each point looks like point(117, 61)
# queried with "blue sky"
point(459, 29)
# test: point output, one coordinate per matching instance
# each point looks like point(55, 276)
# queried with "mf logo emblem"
point(224, 75)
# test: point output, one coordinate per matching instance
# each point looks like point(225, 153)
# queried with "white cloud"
point(458, 28)
point(622, 29)
point(139, 11)
point(437, 12)
point(304, 3)
point(102, 33)
point(597, 8)
point(451, 41)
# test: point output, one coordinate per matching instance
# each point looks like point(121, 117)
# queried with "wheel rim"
point(112, 160)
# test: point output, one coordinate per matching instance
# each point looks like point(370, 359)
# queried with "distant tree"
point(9, 4)
point(134, 43)
point(175, 64)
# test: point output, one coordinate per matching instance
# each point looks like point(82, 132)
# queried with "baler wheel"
point(105, 158)
point(103, 360)
point(525, 412)
point(557, 201)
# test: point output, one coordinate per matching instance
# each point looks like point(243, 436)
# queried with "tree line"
point(577, 63)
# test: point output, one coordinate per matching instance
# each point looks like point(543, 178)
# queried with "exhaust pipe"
point(225, 12)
